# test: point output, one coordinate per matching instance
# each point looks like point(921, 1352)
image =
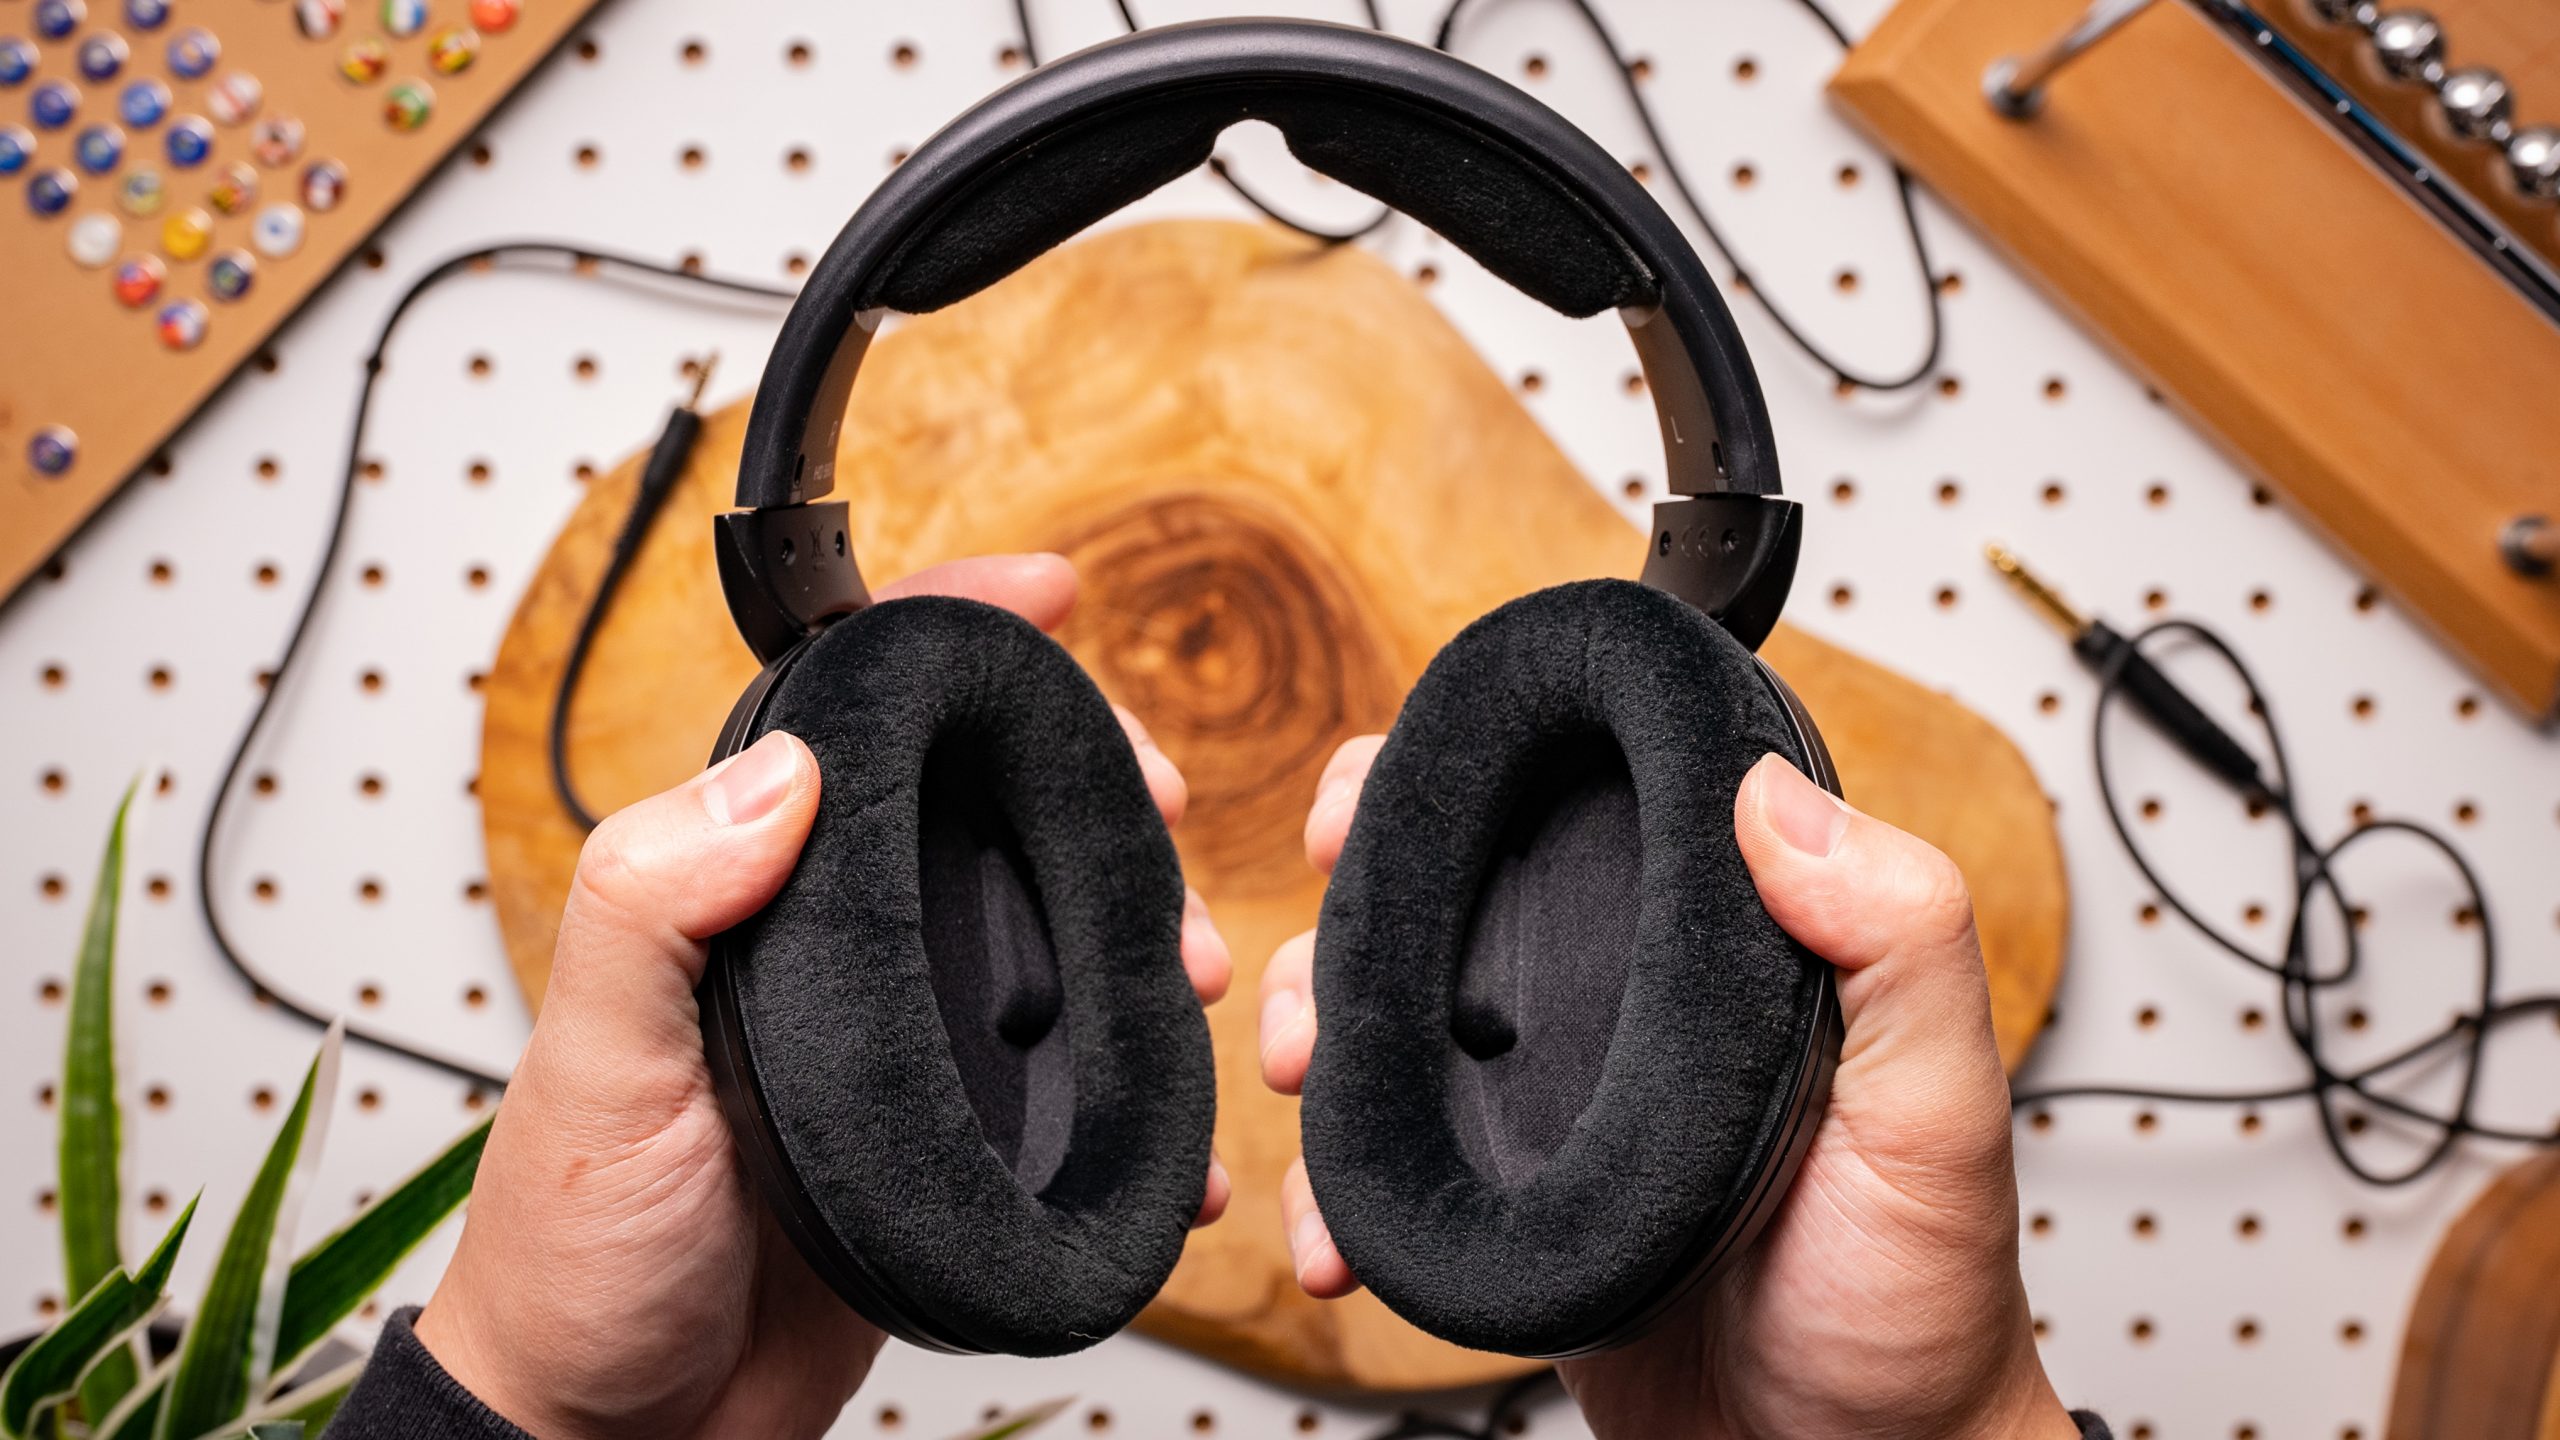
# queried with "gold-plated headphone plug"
point(2044, 597)
point(702, 379)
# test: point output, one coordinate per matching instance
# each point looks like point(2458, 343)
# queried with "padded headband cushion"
point(1515, 221)
point(1559, 1031)
point(966, 1009)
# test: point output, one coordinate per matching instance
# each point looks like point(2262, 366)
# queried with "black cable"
point(583, 259)
point(658, 480)
point(2315, 871)
point(1631, 82)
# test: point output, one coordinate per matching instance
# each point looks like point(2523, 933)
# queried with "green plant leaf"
point(48, 1371)
point(313, 1403)
point(1022, 1422)
point(333, 1277)
point(136, 1417)
point(229, 1347)
point(90, 1157)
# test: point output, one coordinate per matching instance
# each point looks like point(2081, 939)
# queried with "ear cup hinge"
point(1730, 555)
point(786, 570)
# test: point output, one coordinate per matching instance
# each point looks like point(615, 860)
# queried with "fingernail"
point(1278, 1010)
point(1218, 1173)
point(747, 786)
point(1804, 816)
point(1305, 1240)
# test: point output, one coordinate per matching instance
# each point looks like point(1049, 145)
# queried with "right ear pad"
point(1559, 1036)
point(966, 1009)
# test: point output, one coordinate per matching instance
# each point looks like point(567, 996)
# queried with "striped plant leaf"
point(49, 1371)
point(1022, 1422)
point(140, 1413)
point(229, 1349)
point(333, 1277)
point(309, 1407)
point(90, 1158)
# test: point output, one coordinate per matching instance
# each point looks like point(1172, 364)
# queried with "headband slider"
point(786, 571)
point(1730, 555)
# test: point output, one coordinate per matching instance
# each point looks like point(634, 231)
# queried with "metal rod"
point(2531, 545)
point(2015, 84)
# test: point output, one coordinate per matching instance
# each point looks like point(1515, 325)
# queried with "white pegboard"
point(2193, 1278)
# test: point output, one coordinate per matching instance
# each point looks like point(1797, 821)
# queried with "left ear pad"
point(966, 1010)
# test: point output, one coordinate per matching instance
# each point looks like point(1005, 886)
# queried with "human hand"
point(1884, 1297)
point(617, 1275)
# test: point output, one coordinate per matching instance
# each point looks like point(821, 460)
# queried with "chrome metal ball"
point(2533, 153)
point(2410, 44)
point(2476, 102)
point(2343, 12)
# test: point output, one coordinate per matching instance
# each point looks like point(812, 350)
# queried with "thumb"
point(655, 882)
point(1920, 1072)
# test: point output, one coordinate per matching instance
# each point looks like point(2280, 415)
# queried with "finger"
point(1164, 781)
point(1337, 797)
point(1885, 907)
point(1204, 951)
point(1289, 1013)
point(659, 878)
point(1213, 1201)
point(1039, 588)
point(1321, 1271)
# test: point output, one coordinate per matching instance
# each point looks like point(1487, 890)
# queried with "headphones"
point(1568, 1063)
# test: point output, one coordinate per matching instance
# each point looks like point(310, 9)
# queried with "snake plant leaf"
point(1022, 1422)
point(307, 1408)
point(90, 1157)
point(275, 1430)
point(135, 1418)
point(229, 1349)
point(49, 1371)
point(333, 1277)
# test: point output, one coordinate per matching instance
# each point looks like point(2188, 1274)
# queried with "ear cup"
point(965, 1014)
point(1562, 1046)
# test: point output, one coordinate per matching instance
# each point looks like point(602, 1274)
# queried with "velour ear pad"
point(1559, 1036)
point(966, 1009)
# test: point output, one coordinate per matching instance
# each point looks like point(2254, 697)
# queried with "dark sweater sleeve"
point(404, 1394)
point(2091, 1427)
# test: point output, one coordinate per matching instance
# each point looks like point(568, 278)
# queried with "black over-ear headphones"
point(1568, 1064)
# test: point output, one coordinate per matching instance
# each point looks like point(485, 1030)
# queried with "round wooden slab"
point(1286, 481)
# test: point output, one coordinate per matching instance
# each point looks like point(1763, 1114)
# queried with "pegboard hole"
point(370, 682)
point(693, 52)
point(1946, 597)
point(477, 577)
point(2248, 1226)
point(2466, 707)
point(2465, 812)
point(1949, 492)
point(1846, 282)
point(890, 1417)
point(1641, 68)
point(2151, 807)
point(2155, 599)
point(2350, 1332)
point(155, 1097)
point(903, 55)
point(2362, 707)
point(587, 156)
point(1847, 176)
point(2253, 913)
point(1746, 70)
point(1843, 491)
point(1535, 67)
point(584, 367)
point(158, 992)
point(2141, 1330)
point(2053, 492)
point(796, 159)
point(1743, 176)
point(52, 886)
point(2145, 1122)
point(1203, 1422)
point(369, 785)
point(2245, 1331)
point(2055, 389)
point(54, 780)
point(262, 1098)
point(798, 55)
point(1642, 172)
point(2261, 601)
point(1531, 382)
point(1633, 487)
point(2050, 702)
point(266, 574)
point(1841, 595)
point(2157, 495)
point(265, 783)
point(2147, 1018)
point(588, 50)
point(49, 990)
point(1308, 1420)
point(1950, 387)
point(692, 157)
point(1951, 283)
point(369, 890)
point(2040, 1224)
point(53, 676)
point(157, 887)
point(1097, 1420)
point(2252, 1018)
point(479, 366)
point(373, 575)
point(265, 889)
point(475, 997)
point(475, 891)
point(368, 1099)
